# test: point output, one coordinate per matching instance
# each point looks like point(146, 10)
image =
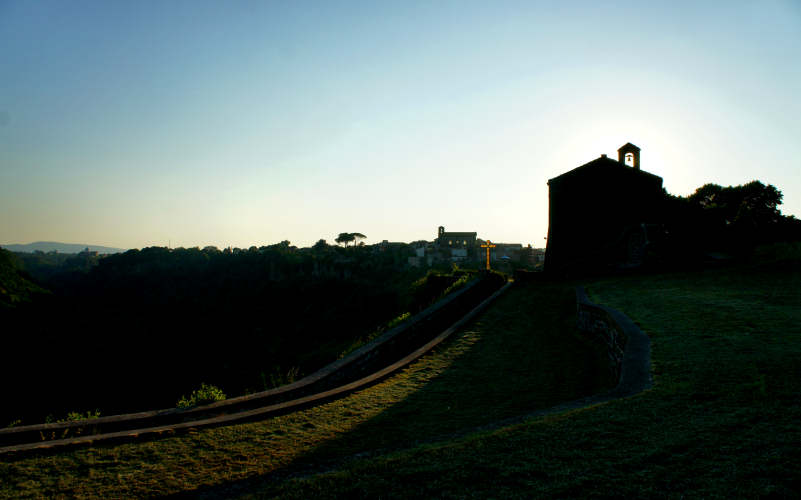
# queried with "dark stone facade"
point(600, 214)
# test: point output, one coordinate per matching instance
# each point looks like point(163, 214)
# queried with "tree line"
point(734, 220)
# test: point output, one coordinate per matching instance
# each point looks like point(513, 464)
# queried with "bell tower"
point(629, 152)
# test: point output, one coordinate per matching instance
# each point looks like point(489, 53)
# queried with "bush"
point(279, 378)
point(75, 416)
point(206, 394)
point(778, 252)
point(374, 335)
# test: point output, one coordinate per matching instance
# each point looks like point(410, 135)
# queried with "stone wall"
point(595, 321)
point(628, 348)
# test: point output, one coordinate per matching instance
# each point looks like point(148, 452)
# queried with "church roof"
point(628, 147)
point(457, 235)
point(606, 165)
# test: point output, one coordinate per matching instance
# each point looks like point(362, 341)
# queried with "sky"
point(234, 123)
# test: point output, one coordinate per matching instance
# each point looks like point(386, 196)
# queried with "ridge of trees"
point(732, 219)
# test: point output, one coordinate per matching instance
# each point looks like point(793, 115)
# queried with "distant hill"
point(49, 246)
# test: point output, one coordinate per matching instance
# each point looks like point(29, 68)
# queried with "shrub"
point(279, 378)
point(778, 252)
point(398, 320)
point(207, 393)
point(74, 416)
point(375, 334)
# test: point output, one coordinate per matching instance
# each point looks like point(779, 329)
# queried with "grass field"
point(520, 355)
point(723, 419)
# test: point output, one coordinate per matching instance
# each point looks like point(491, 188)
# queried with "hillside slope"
point(518, 356)
point(722, 420)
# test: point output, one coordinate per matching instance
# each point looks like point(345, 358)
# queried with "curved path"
point(635, 377)
point(227, 412)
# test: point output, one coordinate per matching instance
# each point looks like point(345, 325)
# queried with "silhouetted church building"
point(454, 239)
point(599, 214)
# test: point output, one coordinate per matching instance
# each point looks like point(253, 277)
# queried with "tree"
point(349, 237)
point(753, 203)
point(320, 245)
point(345, 238)
point(736, 217)
point(358, 236)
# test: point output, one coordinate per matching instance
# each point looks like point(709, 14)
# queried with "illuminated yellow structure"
point(488, 246)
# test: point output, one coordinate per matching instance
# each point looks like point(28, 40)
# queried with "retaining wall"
point(628, 348)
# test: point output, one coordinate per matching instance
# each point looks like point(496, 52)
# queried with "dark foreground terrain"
point(721, 421)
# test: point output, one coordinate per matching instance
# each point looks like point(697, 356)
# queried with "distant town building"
point(599, 214)
point(386, 245)
point(504, 251)
point(460, 245)
point(88, 253)
point(455, 240)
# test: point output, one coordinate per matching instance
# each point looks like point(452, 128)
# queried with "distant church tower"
point(629, 152)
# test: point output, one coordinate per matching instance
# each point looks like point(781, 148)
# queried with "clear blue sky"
point(138, 123)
